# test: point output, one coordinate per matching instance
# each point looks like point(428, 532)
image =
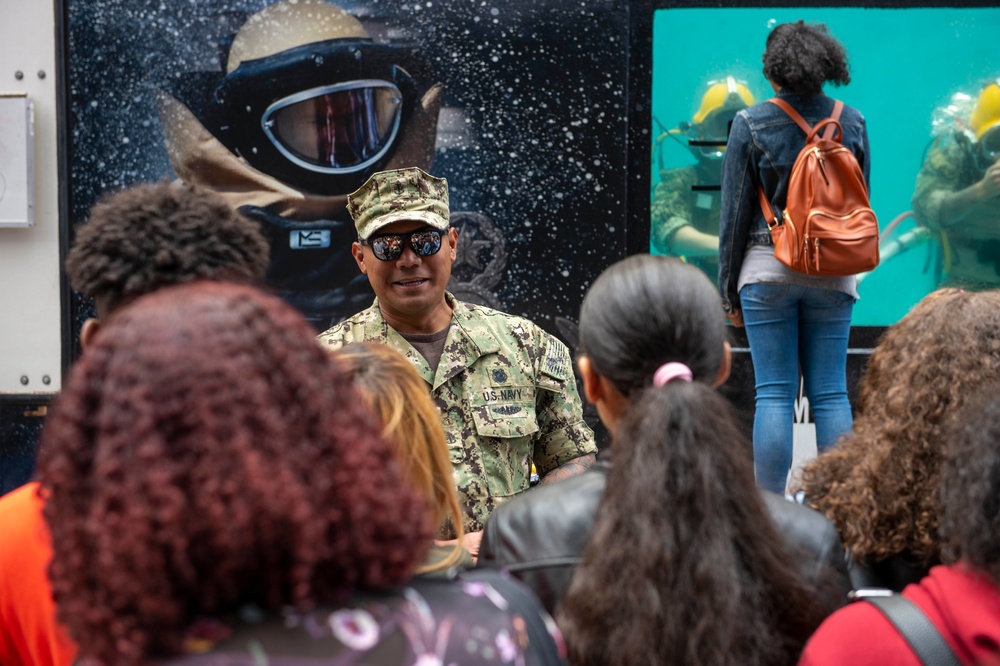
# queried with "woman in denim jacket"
point(791, 318)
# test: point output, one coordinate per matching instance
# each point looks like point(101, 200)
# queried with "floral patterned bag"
point(479, 617)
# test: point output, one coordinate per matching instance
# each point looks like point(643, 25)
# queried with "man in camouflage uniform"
point(958, 196)
point(505, 387)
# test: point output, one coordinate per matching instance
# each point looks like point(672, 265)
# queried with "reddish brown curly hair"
point(879, 483)
point(206, 453)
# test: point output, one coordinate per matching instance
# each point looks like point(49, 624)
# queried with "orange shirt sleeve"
point(29, 634)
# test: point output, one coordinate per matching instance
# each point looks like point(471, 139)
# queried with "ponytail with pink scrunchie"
point(671, 371)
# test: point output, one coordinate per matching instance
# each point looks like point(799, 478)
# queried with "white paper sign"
point(17, 168)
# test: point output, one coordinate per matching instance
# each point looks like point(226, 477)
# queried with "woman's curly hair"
point(801, 58)
point(154, 235)
point(206, 453)
point(970, 486)
point(879, 483)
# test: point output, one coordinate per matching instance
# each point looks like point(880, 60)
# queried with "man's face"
point(410, 286)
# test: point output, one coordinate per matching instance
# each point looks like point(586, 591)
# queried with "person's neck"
point(426, 323)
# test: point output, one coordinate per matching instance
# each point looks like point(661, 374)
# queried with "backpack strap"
point(918, 631)
point(838, 107)
point(792, 113)
point(833, 122)
point(765, 206)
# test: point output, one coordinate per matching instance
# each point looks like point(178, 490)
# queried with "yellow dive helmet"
point(726, 95)
point(986, 115)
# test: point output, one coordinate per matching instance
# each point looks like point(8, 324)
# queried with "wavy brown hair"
point(412, 425)
point(970, 486)
point(204, 454)
point(684, 565)
point(879, 483)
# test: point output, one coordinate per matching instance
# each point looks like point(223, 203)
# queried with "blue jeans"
point(787, 326)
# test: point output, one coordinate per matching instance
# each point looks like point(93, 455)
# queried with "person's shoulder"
point(24, 528)
point(948, 152)
point(786, 513)
point(851, 114)
point(482, 311)
point(502, 323)
point(856, 634)
point(25, 495)
point(348, 330)
point(762, 110)
point(532, 344)
point(486, 603)
point(21, 508)
point(371, 624)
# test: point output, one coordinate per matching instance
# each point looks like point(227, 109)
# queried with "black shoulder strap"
point(926, 641)
point(525, 605)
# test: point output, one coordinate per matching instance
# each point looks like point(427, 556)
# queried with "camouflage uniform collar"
point(466, 319)
point(468, 340)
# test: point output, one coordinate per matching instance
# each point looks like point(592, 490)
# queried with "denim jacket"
point(763, 144)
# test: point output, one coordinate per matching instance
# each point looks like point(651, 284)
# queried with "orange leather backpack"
point(828, 226)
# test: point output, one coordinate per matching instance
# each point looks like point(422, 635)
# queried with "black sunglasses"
point(388, 247)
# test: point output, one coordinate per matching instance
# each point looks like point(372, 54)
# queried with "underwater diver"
point(684, 213)
point(957, 195)
point(306, 108)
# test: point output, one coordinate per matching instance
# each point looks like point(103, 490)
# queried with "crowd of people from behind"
point(218, 485)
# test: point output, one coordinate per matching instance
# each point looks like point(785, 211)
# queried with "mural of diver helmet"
point(310, 99)
point(719, 105)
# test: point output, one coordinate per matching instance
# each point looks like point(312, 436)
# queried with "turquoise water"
point(905, 63)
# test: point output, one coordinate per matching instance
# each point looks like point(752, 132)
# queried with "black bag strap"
point(525, 605)
point(921, 634)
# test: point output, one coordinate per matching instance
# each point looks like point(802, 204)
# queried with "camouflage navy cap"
point(400, 194)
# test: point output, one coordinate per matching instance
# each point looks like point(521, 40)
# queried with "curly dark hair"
point(970, 485)
point(206, 453)
point(684, 564)
point(153, 235)
point(801, 57)
point(879, 483)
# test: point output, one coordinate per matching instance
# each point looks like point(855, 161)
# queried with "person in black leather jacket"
point(541, 536)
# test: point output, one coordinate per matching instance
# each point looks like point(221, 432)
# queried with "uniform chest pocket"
point(505, 419)
point(505, 411)
point(506, 429)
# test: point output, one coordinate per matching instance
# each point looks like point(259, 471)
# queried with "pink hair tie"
point(671, 371)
